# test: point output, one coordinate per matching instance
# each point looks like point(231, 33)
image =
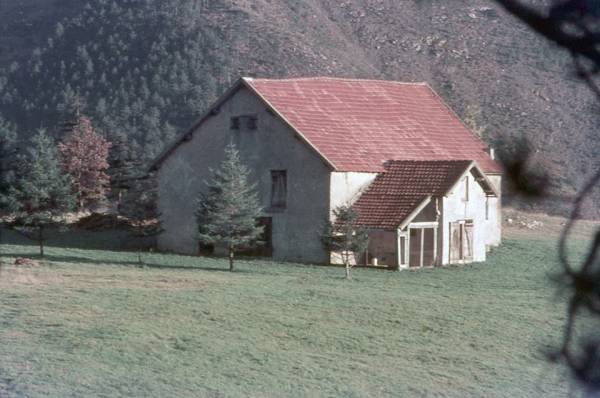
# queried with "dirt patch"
point(14, 334)
point(11, 275)
point(172, 284)
point(26, 262)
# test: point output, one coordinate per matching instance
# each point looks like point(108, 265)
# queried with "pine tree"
point(8, 141)
point(343, 236)
point(8, 150)
point(84, 156)
point(228, 212)
point(125, 168)
point(139, 207)
point(42, 193)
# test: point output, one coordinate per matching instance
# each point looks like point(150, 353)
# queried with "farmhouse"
point(425, 187)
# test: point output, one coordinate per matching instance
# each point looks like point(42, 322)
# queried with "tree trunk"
point(346, 259)
point(231, 259)
point(41, 240)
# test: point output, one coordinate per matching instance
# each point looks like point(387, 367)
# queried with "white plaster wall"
point(454, 208)
point(494, 224)
point(336, 258)
point(346, 187)
point(273, 146)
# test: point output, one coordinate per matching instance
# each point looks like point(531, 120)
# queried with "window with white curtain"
point(278, 189)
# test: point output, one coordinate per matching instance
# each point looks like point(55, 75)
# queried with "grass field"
point(90, 323)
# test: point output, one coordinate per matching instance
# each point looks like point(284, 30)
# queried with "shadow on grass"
point(110, 239)
point(192, 268)
point(130, 263)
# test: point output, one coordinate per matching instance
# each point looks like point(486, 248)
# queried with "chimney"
point(492, 153)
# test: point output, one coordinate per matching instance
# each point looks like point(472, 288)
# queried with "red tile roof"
point(402, 187)
point(357, 125)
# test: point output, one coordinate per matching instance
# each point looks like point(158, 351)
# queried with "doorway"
point(461, 241)
point(266, 248)
point(422, 246)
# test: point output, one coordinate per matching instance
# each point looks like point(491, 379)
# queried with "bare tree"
point(343, 236)
point(575, 26)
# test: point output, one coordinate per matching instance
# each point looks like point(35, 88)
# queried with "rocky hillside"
point(147, 68)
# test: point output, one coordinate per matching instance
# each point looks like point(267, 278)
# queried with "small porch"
point(415, 246)
point(420, 214)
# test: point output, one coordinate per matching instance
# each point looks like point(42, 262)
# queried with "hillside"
point(146, 69)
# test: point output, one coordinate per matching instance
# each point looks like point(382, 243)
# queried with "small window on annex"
point(278, 189)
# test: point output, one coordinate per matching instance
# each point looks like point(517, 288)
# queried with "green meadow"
point(94, 324)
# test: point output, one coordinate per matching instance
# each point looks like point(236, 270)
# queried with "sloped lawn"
point(90, 323)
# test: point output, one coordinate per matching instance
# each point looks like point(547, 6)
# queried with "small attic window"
point(235, 123)
point(252, 122)
point(246, 122)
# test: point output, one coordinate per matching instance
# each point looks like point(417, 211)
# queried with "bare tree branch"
point(573, 25)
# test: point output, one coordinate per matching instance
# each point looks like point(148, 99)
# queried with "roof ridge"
point(428, 160)
point(350, 79)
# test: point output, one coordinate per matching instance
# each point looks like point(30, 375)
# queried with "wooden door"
point(414, 254)
point(456, 247)
point(467, 241)
point(461, 241)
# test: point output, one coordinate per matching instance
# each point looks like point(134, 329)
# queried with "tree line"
point(141, 69)
point(46, 184)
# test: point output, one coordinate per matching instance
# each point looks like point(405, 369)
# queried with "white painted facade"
point(346, 187)
point(458, 207)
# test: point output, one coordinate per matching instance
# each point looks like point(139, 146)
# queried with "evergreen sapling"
point(228, 213)
point(343, 236)
point(41, 195)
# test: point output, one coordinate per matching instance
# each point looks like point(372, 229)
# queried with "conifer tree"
point(84, 156)
point(8, 140)
point(343, 236)
point(42, 193)
point(139, 207)
point(124, 169)
point(8, 150)
point(228, 212)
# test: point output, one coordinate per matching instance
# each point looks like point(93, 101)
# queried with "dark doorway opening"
point(265, 249)
point(422, 247)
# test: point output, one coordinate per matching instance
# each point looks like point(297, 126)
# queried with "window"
point(235, 123)
point(248, 122)
point(487, 207)
point(466, 187)
point(278, 189)
point(402, 250)
point(252, 122)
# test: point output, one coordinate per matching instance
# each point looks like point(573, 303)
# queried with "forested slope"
point(145, 69)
